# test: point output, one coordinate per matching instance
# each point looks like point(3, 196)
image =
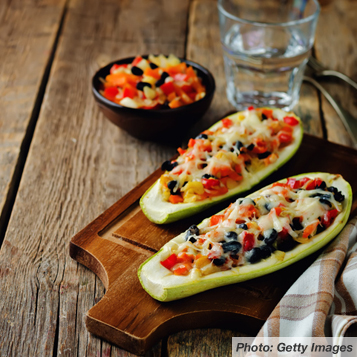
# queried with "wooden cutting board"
point(115, 244)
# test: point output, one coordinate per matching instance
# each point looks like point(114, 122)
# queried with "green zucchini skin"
point(162, 285)
point(160, 211)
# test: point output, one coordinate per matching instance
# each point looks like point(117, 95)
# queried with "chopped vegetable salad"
point(157, 82)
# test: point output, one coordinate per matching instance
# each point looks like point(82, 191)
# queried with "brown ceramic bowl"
point(166, 125)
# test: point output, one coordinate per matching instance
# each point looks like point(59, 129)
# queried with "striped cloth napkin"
point(323, 301)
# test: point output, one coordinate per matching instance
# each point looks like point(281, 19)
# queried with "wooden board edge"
point(183, 322)
point(130, 343)
point(90, 261)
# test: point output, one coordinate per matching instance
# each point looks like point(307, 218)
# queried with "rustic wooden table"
point(62, 163)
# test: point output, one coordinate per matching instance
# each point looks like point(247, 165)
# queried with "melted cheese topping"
point(235, 147)
point(249, 230)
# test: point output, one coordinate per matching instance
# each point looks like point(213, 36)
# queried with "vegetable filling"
point(274, 220)
point(217, 161)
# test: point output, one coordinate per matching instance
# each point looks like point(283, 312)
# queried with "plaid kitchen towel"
point(323, 301)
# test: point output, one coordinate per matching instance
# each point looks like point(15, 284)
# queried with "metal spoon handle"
point(329, 73)
point(335, 106)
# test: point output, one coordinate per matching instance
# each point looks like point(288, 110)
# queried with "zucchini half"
point(163, 285)
point(159, 211)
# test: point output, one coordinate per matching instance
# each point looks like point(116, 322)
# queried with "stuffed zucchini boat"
point(264, 232)
point(230, 157)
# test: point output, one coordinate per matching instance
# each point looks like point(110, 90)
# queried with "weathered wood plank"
point(27, 34)
point(336, 48)
point(78, 165)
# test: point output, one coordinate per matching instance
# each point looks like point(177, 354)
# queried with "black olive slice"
point(231, 246)
point(219, 261)
point(231, 235)
point(270, 236)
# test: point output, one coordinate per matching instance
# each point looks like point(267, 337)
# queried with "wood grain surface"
point(26, 47)
point(79, 164)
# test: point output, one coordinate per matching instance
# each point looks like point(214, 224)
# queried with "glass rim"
point(271, 24)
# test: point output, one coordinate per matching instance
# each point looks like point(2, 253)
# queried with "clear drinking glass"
point(266, 45)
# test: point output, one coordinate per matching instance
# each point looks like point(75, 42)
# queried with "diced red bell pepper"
point(188, 90)
point(291, 121)
point(303, 181)
point(227, 123)
point(170, 261)
point(168, 88)
point(110, 92)
point(129, 92)
point(248, 241)
point(136, 60)
point(293, 183)
point(328, 217)
point(284, 137)
point(317, 182)
point(310, 185)
point(209, 183)
point(215, 219)
point(251, 108)
point(277, 211)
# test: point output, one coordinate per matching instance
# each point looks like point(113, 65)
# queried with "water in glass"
point(266, 75)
